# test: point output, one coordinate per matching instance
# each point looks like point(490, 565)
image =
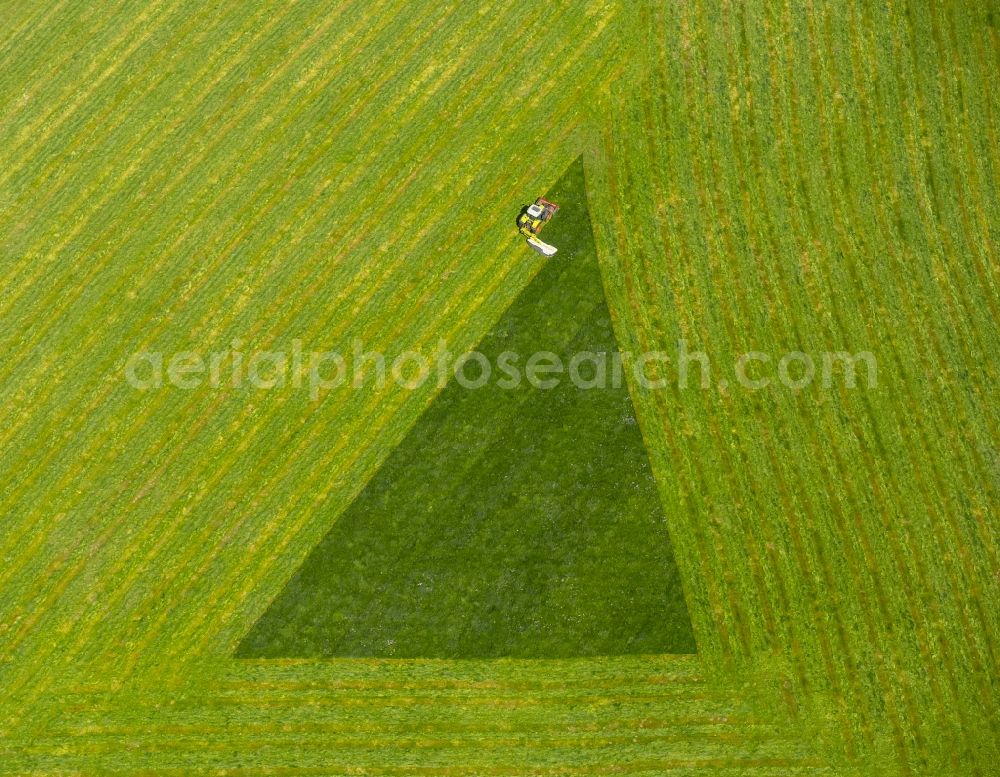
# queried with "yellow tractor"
point(531, 221)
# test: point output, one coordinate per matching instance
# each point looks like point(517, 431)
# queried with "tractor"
point(530, 223)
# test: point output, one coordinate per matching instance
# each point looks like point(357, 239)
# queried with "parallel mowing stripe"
point(88, 197)
point(770, 541)
point(633, 296)
point(845, 243)
point(321, 470)
point(961, 545)
point(736, 764)
point(147, 150)
point(782, 106)
point(987, 269)
point(20, 37)
point(665, 245)
point(53, 178)
point(869, 553)
point(726, 471)
point(941, 490)
point(719, 631)
point(957, 540)
point(911, 605)
point(803, 234)
point(714, 170)
point(706, 244)
point(852, 510)
point(290, 459)
point(23, 71)
point(613, 193)
point(793, 492)
point(94, 337)
point(755, 233)
point(934, 235)
point(969, 307)
point(32, 135)
point(217, 261)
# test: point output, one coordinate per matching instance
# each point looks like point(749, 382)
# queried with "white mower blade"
point(543, 248)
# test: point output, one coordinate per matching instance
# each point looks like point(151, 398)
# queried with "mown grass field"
point(517, 519)
point(761, 176)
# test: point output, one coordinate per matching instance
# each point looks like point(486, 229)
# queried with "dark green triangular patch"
point(510, 522)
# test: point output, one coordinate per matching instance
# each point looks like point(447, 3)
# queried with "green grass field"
point(760, 176)
point(510, 522)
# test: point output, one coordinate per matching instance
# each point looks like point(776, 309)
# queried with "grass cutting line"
point(117, 53)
